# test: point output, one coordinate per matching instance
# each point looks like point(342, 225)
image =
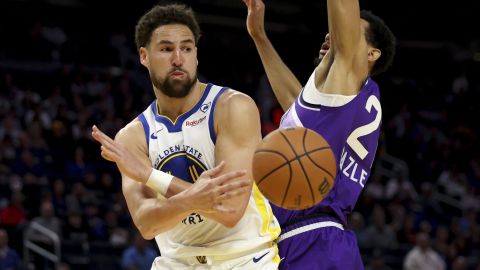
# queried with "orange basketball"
point(294, 168)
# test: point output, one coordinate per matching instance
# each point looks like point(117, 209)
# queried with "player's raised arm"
point(151, 213)
point(346, 66)
point(344, 27)
point(284, 84)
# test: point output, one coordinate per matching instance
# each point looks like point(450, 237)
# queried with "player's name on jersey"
point(352, 169)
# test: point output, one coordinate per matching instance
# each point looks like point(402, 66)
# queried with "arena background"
point(68, 64)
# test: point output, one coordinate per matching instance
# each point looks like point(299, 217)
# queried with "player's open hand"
point(126, 161)
point(255, 17)
point(213, 187)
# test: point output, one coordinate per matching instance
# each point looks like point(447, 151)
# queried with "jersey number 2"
point(353, 141)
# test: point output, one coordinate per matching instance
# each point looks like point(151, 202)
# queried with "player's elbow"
point(146, 228)
point(232, 220)
point(147, 236)
point(147, 233)
point(229, 224)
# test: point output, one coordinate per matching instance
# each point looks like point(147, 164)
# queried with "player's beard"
point(175, 89)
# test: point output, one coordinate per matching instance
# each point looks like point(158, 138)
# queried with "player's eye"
point(166, 49)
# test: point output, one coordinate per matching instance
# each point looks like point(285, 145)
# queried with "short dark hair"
point(381, 37)
point(164, 15)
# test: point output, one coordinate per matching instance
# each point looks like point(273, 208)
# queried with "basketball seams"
point(314, 163)
point(290, 178)
point(287, 162)
point(305, 151)
point(290, 160)
point(282, 148)
point(277, 168)
point(301, 166)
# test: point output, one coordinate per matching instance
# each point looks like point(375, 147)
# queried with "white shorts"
point(262, 259)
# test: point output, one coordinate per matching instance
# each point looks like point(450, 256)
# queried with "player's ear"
point(143, 54)
point(374, 54)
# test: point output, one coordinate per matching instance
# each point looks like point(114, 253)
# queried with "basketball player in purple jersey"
point(341, 102)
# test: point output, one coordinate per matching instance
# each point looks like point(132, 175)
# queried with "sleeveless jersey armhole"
point(311, 95)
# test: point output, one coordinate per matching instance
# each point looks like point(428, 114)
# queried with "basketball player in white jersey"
point(200, 220)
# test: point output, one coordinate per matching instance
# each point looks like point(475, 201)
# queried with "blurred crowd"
point(419, 210)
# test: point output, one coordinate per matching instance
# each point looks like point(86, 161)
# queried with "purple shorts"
point(323, 246)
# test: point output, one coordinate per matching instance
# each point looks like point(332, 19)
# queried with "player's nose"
point(177, 58)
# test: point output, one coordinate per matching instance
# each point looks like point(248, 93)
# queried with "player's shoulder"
point(233, 99)
point(131, 133)
point(236, 108)
point(369, 88)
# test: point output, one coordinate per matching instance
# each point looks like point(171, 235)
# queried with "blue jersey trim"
point(213, 136)
point(177, 125)
point(146, 127)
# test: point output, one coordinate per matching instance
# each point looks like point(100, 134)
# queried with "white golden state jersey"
point(186, 148)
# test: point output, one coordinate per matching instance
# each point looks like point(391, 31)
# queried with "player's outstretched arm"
point(284, 84)
point(151, 214)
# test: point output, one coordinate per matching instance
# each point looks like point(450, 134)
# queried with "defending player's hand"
point(213, 187)
point(255, 17)
point(126, 162)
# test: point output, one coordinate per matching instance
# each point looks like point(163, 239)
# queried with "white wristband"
point(159, 181)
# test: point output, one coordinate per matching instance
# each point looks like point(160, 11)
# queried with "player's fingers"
point(233, 193)
point(106, 156)
point(228, 176)
point(216, 170)
point(95, 135)
point(96, 131)
point(104, 149)
point(107, 142)
point(112, 155)
point(234, 186)
point(98, 137)
point(102, 137)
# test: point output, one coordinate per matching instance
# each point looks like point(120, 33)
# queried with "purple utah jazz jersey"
point(351, 125)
